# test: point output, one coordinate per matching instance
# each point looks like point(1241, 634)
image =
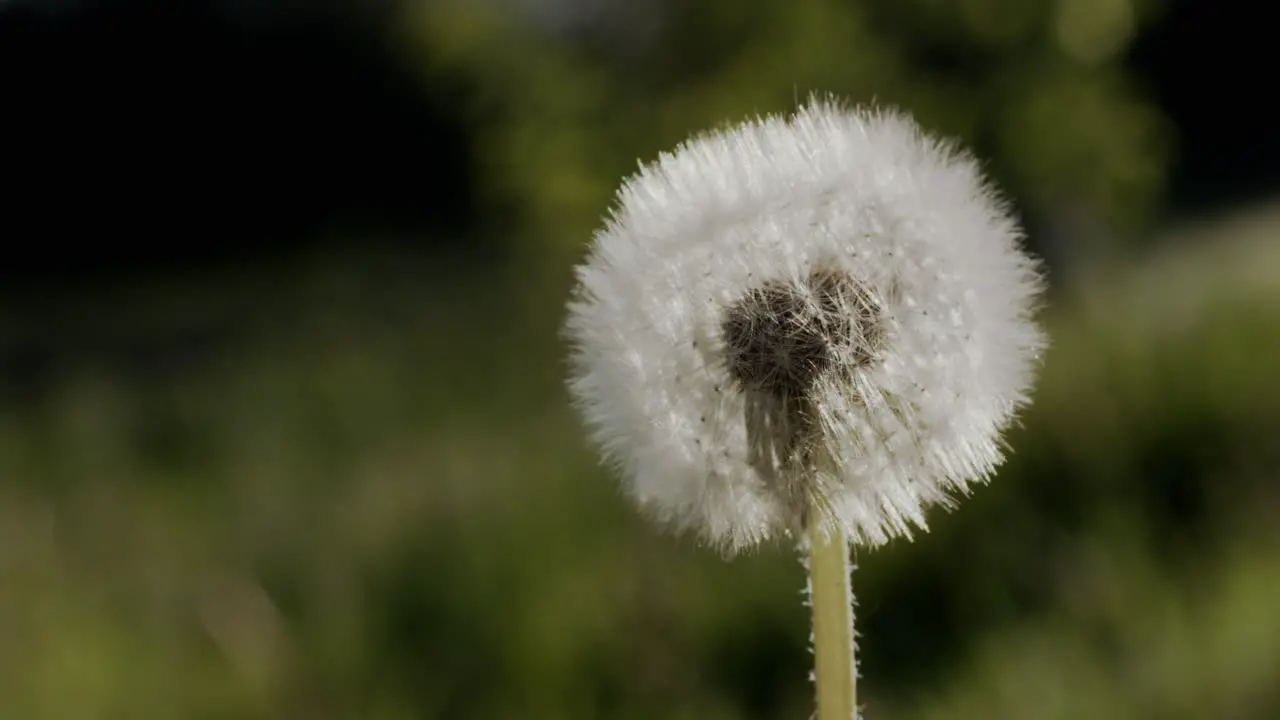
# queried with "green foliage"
point(559, 114)
point(377, 504)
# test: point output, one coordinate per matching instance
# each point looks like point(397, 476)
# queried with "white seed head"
point(821, 318)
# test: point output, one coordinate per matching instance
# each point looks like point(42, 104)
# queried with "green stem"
point(831, 598)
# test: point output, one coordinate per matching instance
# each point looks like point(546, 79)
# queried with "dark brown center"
point(781, 337)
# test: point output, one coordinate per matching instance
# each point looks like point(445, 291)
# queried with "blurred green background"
point(334, 474)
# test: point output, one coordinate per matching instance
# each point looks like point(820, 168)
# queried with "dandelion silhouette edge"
point(826, 317)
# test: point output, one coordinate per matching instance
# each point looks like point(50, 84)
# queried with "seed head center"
point(781, 337)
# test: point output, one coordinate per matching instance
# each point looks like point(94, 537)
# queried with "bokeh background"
point(282, 425)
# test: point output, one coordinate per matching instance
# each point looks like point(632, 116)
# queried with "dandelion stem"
point(831, 599)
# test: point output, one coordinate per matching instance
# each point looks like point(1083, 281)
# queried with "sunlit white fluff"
point(859, 191)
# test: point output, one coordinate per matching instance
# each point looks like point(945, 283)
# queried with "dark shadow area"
point(142, 135)
point(1209, 65)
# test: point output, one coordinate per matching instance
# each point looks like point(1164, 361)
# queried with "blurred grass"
point(373, 501)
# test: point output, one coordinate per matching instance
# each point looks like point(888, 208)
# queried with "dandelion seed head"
point(828, 313)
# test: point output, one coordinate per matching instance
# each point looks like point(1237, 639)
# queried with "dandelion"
point(812, 327)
